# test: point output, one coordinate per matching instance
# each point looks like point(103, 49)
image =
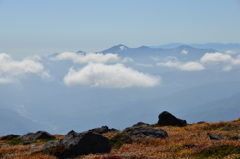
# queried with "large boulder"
point(78, 144)
point(37, 135)
point(145, 132)
point(103, 129)
point(167, 119)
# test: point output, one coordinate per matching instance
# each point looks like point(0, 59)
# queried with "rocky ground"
point(140, 141)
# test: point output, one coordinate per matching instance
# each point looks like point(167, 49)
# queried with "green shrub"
point(15, 142)
point(118, 140)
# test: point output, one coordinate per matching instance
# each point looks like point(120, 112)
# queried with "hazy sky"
point(49, 26)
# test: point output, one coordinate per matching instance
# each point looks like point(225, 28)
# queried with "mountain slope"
point(12, 122)
point(219, 110)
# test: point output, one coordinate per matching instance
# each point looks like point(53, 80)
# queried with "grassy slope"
point(183, 142)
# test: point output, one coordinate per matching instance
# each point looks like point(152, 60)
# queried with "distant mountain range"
point(209, 94)
point(217, 46)
point(179, 52)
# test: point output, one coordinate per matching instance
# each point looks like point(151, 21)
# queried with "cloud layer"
point(188, 66)
point(11, 70)
point(110, 76)
point(89, 57)
point(215, 58)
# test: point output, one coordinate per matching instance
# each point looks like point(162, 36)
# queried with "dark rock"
point(167, 119)
point(78, 144)
point(103, 129)
point(72, 133)
point(10, 137)
point(37, 135)
point(233, 138)
point(145, 132)
point(140, 124)
point(215, 136)
point(28, 142)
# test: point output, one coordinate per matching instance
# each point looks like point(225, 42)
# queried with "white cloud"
point(111, 76)
point(169, 64)
point(236, 61)
point(231, 52)
point(89, 57)
point(144, 65)
point(215, 58)
point(227, 68)
point(11, 70)
point(185, 52)
point(127, 59)
point(191, 66)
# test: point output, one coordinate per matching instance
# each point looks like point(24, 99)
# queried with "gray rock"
point(37, 135)
point(78, 144)
point(33, 147)
point(167, 119)
point(103, 129)
point(145, 132)
point(215, 136)
point(50, 144)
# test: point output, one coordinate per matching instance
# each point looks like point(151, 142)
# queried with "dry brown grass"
point(182, 143)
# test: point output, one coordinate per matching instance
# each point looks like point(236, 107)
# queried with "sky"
point(45, 27)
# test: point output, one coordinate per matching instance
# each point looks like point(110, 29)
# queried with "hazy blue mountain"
point(184, 104)
point(220, 110)
point(144, 53)
point(61, 108)
point(217, 46)
point(168, 46)
point(12, 122)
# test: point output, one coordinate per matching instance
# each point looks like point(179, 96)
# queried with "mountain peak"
point(116, 49)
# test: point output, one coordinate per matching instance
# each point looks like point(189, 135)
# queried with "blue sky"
point(44, 27)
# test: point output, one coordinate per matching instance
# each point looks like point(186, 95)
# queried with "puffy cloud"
point(11, 70)
point(185, 52)
point(111, 76)
point(169, 64)
point(215, 58)
point(89, 57)
point(191, 66)
point(236, 61)
point(231, 52)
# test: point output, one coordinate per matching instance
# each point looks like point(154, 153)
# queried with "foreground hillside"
point(191, 141)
